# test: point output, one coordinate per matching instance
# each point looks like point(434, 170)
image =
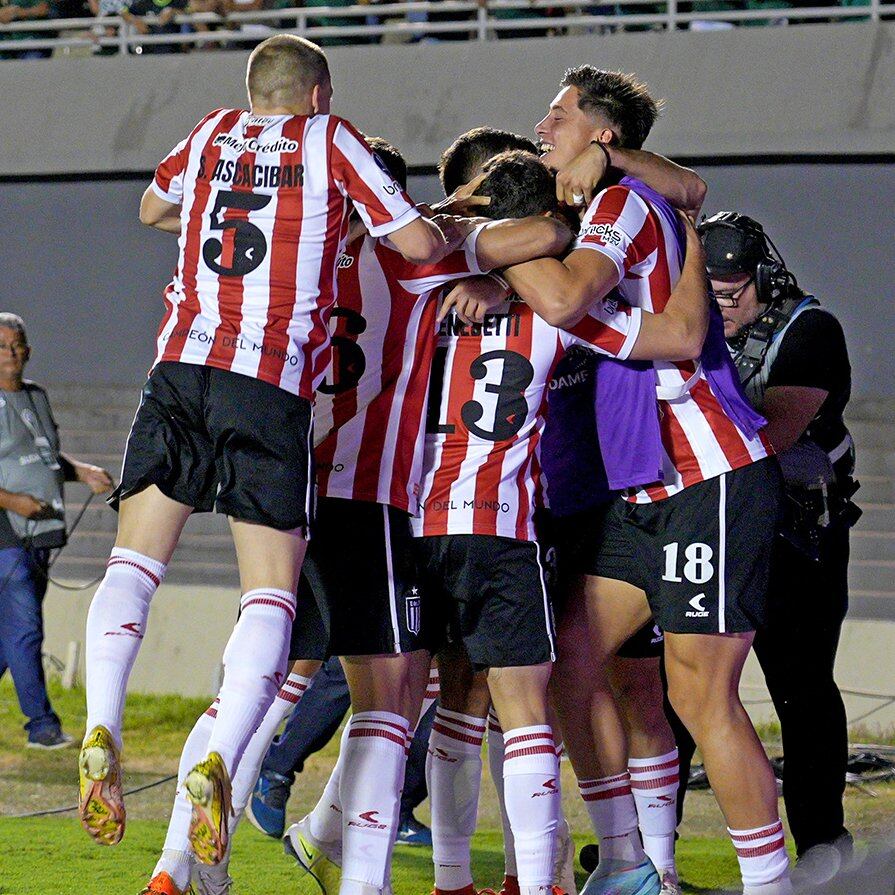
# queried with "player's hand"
point(454, 230)
point(463, 200)
point(30, 507)
point(98, 479)
point(472, 298)
point(577, 181)
point(695, 248)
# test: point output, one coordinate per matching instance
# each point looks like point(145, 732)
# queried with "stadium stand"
point(30, 29)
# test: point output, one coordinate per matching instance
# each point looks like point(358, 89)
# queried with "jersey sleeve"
point(421, 278)
point(610, 328)
point(379, 199)
point(812, 354)
point(618, 225)
point(167, 183)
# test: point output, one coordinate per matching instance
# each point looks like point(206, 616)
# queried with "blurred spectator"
point(155, 17)
point(525, 12)
point(330, 21)
point(255, 31)
point(22, 10)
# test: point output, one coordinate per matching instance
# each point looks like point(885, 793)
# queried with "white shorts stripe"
point(392, 604)
point(547, 613)
point(722, 551)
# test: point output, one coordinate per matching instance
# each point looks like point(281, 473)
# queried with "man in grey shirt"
point(32, 522)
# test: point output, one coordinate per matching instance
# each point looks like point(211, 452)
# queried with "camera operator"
point(793, 364)
point(32, 472)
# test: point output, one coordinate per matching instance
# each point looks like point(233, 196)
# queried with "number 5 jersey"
point(264, 205)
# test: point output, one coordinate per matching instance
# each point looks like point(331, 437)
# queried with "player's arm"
point(562, 292)
point(678, 331)
point(429, 240)
point(503, 243)
point(684, 188)
point(159, 213)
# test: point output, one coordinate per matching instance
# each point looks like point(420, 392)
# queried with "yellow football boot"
point(208, 787)
point(101, 805)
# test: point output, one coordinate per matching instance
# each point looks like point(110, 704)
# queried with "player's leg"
point(386, 692)
point(168, 469)
point(506, 626)
point(703, 686)
point(710, 572)
point(454, 767)
point(652, 754)
point(600, 615)
point(530, 771)
point(261, 436)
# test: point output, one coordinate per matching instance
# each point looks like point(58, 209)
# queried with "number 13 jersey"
point(264, 204)
point(487, 405)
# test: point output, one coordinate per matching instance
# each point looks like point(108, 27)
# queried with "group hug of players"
point(543, 338)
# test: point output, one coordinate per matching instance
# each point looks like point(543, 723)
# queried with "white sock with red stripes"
point(254, 663)
point(764, 862)
point(250, 765)
point(116, 623)
point(454, 777)
point(370, 792)
point(530, 773)
point(614, 817)
point(495, 766)
point(325, 819)
point(654, 783)
point(177, 857)
point(433, 690)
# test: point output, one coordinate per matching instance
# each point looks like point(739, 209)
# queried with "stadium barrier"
point(479, 21)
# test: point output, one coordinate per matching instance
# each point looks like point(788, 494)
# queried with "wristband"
point(496, 276)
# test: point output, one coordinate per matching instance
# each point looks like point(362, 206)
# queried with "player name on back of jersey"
point(508, 324)
point(237, 173)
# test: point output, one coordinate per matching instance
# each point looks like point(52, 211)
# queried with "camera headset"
point(735, 243)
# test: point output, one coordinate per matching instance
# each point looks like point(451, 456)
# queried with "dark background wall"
point(88, 277)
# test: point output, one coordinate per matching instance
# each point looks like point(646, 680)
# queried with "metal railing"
point(475, 20)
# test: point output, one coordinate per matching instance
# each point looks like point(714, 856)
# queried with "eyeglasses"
point(730, 298)
point(14, 347)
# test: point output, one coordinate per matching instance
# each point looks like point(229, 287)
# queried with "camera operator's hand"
point(96, 477)
point(30, 507)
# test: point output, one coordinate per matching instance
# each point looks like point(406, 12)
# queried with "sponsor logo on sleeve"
point(605, 233)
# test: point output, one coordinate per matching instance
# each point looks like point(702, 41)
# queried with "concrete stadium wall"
point(189, 626)
point(805, 89)
point(88, 278)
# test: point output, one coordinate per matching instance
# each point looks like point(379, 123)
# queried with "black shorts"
point(702, 555)
point(490, 593)
point(212, 439)
point(573, 538)
point(360, 572)
point(647, 643)
point(309, 639)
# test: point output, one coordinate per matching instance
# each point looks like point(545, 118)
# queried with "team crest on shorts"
point(412, 604)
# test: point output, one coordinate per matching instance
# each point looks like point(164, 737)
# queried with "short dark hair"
point(519, 185)
point(620, 98)
point(285, 66)
point(463, 159)
point(390, 157)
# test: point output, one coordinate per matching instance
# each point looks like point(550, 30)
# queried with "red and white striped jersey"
point(699, 439)
point(482, 472)
point(264, 213)
point(370, 410)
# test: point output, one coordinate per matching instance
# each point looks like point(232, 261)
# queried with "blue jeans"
point(23, 584)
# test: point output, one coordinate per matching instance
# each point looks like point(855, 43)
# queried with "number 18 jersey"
point(487, 405)
point(264, 204)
